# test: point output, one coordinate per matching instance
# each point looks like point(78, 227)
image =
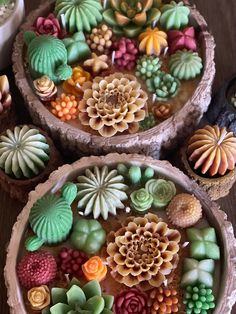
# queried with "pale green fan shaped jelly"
point(24, 152)
point(47, 55)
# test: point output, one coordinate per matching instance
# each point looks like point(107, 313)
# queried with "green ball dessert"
point(88, 235)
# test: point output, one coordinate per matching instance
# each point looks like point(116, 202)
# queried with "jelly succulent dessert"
point(210, 158)
point(27, 156)
point(114, 67)
point(118, 238)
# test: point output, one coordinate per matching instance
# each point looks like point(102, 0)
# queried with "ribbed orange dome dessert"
point(212, 149)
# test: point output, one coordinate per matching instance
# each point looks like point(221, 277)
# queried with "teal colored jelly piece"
point(212, 250)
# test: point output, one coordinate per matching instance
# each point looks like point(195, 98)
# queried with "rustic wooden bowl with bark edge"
point(155, 141)
point(217, 218)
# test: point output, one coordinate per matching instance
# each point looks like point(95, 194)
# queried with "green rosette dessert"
point(24, 152)
point(129, 18)
point(185, 65)
point(80, 15)
point(141, 200)
point(101, 192)
point(162, 191)
point(87, 299)
point(47, 55)
point(51, 218)
point(163, 85)
point(174, 15)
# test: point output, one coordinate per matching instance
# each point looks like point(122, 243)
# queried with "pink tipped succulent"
point(5, 96)
point(70, 262)
point(36, 269)
point(126, 53)
point(184, 39)
point(48, 26)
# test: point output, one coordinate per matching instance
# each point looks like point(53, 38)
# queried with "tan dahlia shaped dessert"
point(113, 104)
point(210, 158)
point(27, 157)
point(143, 252)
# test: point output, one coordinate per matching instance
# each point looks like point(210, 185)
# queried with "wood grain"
point(220, 16)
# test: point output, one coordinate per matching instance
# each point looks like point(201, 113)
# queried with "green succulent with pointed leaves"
point(129, 18)
point(87, 299)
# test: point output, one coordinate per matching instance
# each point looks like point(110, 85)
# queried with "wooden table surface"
point(220, 16)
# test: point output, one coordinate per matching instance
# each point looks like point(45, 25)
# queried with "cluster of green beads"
point(198, 299)
point(149, 122)
point(147, 66)
point(164, 86)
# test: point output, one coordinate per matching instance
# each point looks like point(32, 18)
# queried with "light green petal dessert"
point(88, 235)
point(185, 65)
point(163, 85)
point(24, 152)
point(101, 192)
point(161, 190)
point(198, 272)
point(80, 15)
point(141, 200)
point(51, 218)
point(87, 299)
point(174, 15)
point(77, 48)
point(203, 243)
point(47, 55)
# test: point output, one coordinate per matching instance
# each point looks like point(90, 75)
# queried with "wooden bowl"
point(152, 142)
point(226, 295)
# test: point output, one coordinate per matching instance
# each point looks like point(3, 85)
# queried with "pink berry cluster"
point(70, 262)
point(126, 53)
point(36, 269)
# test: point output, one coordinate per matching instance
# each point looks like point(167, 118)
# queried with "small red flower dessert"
point(185, 39)
point(48, 26)
point(36, 269)
point(130, 301)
